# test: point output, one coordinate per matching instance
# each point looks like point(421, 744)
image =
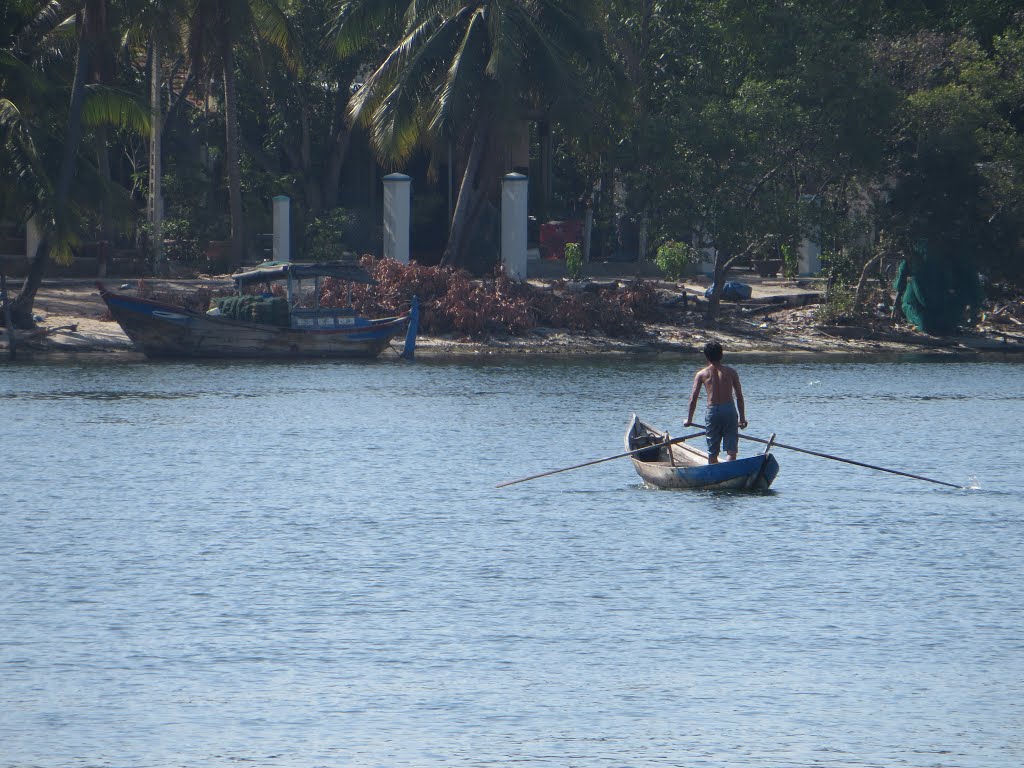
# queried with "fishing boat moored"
point(264, 326)
point(662, 464)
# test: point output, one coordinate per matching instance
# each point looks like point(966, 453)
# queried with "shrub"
point(673, 258)
point(181, 242)
point(325, 237)
point(840, 266)
point(838, 306)
point(790, 261)
point(339, 233)
point(574, 260)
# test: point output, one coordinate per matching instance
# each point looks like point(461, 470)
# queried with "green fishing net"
point(940, 295)
point(256, 309)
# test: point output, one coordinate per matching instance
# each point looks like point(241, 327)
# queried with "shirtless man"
point(723, 422)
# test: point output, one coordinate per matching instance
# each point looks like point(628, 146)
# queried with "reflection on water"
point(307, 565)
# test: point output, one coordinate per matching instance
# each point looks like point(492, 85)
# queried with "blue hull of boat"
point(689, 468)
point(165, 330)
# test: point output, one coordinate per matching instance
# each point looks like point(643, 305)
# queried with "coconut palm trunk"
point(21, 306)
point(232, 157)
point(155, 153)
point(469, 192)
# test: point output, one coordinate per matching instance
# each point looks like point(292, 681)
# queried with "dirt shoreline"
point(70, 313)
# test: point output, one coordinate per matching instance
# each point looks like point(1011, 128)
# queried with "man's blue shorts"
point(723, 424)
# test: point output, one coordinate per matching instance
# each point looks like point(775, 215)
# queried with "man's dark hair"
point(713, 351)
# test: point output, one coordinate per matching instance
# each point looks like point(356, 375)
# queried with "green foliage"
point(574, 260)
point(181, 241)
point(104, 106)
point(325, 237)
point(957, 174)
point(742, 123)
point(341, 233)
point(790, 261)
point(837, 308)
point(471, 65)
point(840, 266)
point(674, 258)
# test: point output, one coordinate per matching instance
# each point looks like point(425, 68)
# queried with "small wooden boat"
point(684, 466)
point(288, 331)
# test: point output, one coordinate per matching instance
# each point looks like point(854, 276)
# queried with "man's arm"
point(740, 406)
point(694, 397)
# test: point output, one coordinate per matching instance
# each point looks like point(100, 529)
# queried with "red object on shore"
point(555, 234)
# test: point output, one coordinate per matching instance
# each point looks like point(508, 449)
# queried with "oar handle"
point(599, 461)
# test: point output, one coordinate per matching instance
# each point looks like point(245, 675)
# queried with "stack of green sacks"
point(256, 309)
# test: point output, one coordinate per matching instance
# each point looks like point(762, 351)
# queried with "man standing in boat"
point(725, 418)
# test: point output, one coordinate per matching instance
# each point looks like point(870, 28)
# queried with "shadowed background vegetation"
point(889, 132)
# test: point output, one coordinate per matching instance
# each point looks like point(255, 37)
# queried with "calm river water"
point(309, 565)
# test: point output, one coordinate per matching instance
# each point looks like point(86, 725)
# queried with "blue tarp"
point(733, 290)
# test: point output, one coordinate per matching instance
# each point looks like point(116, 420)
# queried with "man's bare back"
point(721, 383)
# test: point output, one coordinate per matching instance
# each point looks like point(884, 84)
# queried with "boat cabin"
point(304, 317)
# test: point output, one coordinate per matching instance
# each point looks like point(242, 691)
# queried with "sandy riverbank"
point(779, 319)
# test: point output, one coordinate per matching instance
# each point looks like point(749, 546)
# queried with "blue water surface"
point(309, 565)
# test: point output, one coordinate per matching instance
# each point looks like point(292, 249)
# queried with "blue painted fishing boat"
point(663, 464)
point(269, 327)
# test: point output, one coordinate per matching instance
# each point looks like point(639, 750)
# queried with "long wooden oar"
point(606, 458)
point(847, 461)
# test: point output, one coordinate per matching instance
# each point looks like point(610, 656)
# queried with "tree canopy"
point(735, 127)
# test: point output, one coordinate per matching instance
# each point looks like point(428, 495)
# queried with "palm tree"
point(43, 160)
point(214, 29)
point(471, 71)
point(58, 235)
point(159, 25)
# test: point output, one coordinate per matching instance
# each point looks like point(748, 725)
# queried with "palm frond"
point(357, 22)
point(50, 17)
point(507, 65)
point(396, 128)
point(29, 187)
point(21, 145)
point(9, 112)
point(382, 79)
point(274, 26)
point(20, 78)
point(91, 186)
point(399, 119)
point(557, 63)
point(160, 19)
point(114, 108)
point(418, 11)
point(463, 81)
point(62, 246)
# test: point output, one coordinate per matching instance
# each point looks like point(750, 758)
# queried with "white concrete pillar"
point(706, 265)
point(282, 248)
point(397, 216)
point(33, 236)
point(513, 225)
point(809, 258)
